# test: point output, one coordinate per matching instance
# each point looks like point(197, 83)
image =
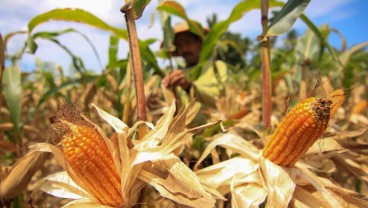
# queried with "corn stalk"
point(135, 59)
point(266, 68)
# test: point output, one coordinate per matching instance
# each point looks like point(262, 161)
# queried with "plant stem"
point(266, 68)
point(127, 103)
point(135, 58)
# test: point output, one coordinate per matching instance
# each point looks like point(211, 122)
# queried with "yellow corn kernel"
point(89, 157)
point(298, 130)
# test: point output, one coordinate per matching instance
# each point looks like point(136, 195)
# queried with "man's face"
point(189, 47)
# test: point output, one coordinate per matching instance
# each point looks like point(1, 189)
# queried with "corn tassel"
point(298, 130)
point(89, 157)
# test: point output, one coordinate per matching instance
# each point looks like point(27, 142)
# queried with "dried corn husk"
point(20, 175)
point(282, 186)
point(150, 161)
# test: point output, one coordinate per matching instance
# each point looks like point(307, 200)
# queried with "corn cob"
point(298, 130)
point(89, 157)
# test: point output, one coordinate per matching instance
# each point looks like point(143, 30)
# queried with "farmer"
point(209, 84)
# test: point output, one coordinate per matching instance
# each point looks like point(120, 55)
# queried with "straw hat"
point(181, 27)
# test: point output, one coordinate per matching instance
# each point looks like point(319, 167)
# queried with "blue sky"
point(348, 16)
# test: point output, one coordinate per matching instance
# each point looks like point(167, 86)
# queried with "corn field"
point(290, 128)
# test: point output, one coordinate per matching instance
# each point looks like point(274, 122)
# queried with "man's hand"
point(177, 78)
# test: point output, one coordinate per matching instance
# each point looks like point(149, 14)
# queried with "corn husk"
point(19, 176)
point(152, 160)
point(252, 180)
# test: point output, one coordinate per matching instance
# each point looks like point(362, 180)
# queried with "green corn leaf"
point(69, 83)
point(174, 8)
point(18, 54)
point(32, 45)
point(75, 15)
point(12, 90)
point(347, 54)
point(81, 16)
point(12, 34)
point(113, 52)
point(150, 56)
point(346, 61)
point(168, 32)
point(219, 28)
point(137, 5)
point(77, 61)
point(54, 34)
point(285, 19)
point(308, 46)
point(320, 36)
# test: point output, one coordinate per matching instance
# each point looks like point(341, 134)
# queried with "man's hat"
point(181, 27)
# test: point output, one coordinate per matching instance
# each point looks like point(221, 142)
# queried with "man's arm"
point(177, 78)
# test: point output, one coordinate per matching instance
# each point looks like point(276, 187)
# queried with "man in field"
point(209, 84)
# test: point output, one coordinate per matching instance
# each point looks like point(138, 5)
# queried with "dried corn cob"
point(89, 157)
point(298, 130)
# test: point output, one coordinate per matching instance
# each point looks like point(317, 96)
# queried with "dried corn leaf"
point(317, 184)
point(324, 145)
point(115, 123)
point(25, 128)
point(318, 163)
point(154, 150)
point(155, 136)
point(174, 180)
point(168, 94)
point(46, 147)
point(233, 142)
point(279, 182)
point(168, 136)
point(346, 134)
point(82, 203)
point(20, 175)
point(304, 198)
point(346, 197)
point(8, 146)
point(88, 94)
point(220, 176)
point(156, 153)
point(359, 119)
point(247, 190)
point(355, 168)
point(61, 185)
point(253, 127)
point(193, 112)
